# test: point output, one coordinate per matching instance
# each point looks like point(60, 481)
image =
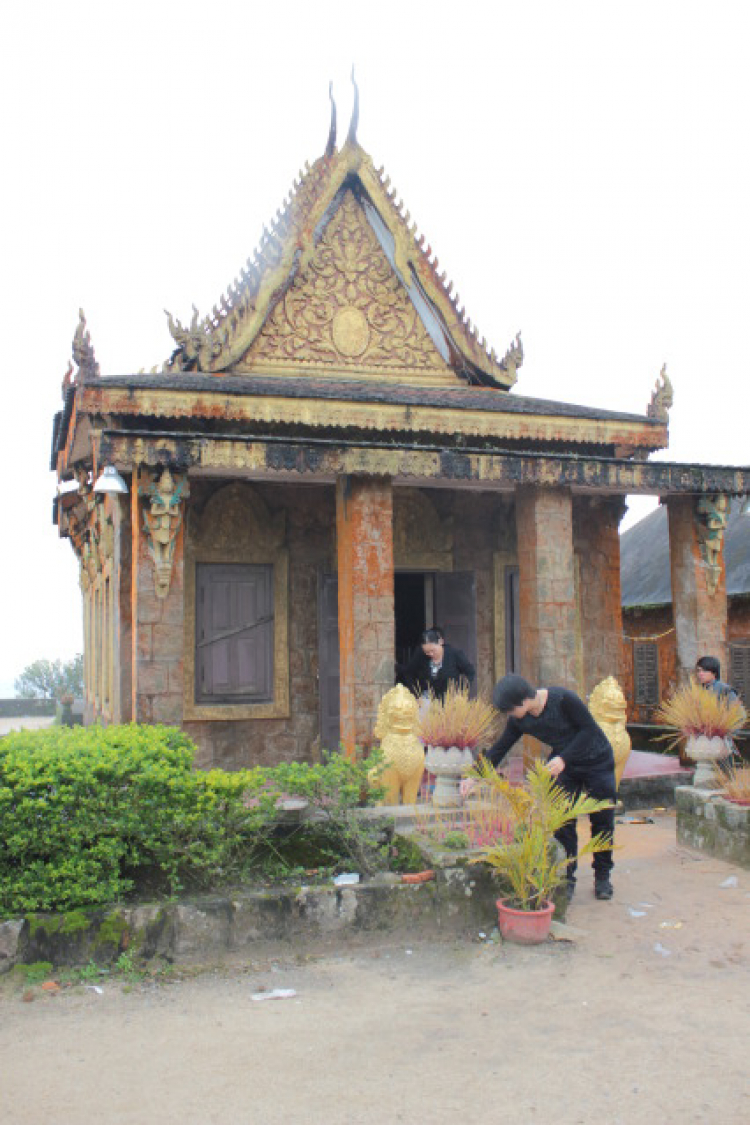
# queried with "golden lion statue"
point(607, 705)
point(403, 753)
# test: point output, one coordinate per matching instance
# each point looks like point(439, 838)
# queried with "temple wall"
point(310, 540)
point(654, 624)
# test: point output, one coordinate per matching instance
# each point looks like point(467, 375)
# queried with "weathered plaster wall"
point(596, 543)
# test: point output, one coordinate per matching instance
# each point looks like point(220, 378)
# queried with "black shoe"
point(603, 889)
point(570, 889)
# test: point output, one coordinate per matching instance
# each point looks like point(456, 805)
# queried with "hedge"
point(87, 814)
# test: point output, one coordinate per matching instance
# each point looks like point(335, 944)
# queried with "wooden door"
point(328, 662)
point(456, 610)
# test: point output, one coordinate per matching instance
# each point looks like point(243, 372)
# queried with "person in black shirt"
point(580, 759)
point(435, 665)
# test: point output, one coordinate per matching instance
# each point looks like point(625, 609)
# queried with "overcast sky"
point(580, 168)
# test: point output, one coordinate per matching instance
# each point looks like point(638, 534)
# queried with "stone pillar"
point(547, 605)
point(364, 534)
point(596, 540)
point(699, 599)
point(122, 638)
point(158, 599)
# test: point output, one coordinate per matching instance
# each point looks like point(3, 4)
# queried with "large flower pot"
point(525, 927)
point(448, 764)
point(706, 752)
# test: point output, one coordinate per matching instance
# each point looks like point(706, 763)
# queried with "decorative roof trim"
point(662, 397)
point(83, 354)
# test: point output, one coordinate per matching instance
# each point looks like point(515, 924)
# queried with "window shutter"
point(646, 672)
point(739, 671)
point(234, 634)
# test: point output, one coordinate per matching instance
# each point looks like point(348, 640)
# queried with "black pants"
point(599, 784)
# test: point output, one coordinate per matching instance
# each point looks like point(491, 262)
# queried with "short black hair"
point(433, 636)
point(709, 664)
point(511, 691)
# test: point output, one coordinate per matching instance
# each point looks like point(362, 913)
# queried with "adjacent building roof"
point(644, 558)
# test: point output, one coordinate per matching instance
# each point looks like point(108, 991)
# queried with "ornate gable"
point(347, 312)
point(342, 280)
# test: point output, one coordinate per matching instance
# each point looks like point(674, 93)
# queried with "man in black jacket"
point(580, 759)
point(435, 665)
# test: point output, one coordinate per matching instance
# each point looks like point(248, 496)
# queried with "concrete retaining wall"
point(711, 824)
point(460, 901)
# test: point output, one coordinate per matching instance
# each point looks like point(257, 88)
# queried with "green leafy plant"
point(93, 815)
point(87, 813)
point(531, 864)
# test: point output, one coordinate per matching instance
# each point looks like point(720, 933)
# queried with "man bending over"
point(580, 759)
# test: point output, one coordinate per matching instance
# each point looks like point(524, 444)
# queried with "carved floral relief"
point(347, 308)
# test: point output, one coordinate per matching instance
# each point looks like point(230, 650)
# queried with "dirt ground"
point(638, 1012)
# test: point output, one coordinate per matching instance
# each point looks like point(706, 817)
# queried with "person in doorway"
point(708, 675)
point(435, 665)
point(581, 760)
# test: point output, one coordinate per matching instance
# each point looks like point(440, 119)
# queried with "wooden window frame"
point(233, 572)
point(254, 536)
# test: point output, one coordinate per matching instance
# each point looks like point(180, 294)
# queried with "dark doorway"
point(412, 591)
point(421, 599)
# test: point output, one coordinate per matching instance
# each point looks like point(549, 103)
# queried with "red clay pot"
point(524, 927)
point(418, 877)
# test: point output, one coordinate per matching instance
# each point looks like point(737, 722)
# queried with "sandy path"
point(602, 1029)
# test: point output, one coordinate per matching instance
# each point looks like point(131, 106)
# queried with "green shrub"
point(84, 811)
point(88, 816)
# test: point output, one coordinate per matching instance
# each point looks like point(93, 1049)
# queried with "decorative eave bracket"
point(163, 513)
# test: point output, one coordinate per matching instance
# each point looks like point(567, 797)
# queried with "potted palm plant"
point(452, 727)
point(532, 865)
point(706, 721)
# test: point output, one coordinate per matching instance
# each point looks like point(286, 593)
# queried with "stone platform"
point(708, 822)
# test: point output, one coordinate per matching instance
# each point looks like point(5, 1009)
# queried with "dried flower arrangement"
point(456, 720)
point(693, 711)
point(735, 783)
point(484, 819)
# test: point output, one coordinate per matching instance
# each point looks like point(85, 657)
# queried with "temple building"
point(328, 462)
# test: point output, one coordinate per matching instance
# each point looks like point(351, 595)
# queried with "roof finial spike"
point(352, 134)
point(331, 145)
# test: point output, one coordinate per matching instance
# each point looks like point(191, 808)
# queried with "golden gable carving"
point(347, 309)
